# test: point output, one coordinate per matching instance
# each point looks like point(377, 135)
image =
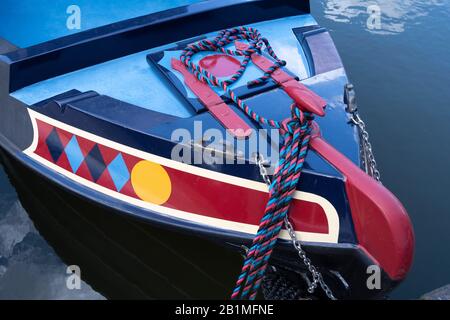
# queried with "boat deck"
point(133, 80)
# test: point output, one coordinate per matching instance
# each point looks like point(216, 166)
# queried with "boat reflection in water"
point(119, 257)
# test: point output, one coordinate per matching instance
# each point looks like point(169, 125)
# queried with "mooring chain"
point(315, 274)
point(352, 108)
point(374, 172)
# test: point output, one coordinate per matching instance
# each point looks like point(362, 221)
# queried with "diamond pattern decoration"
point(119, 172)
point(87, 159)
point(74, 154)
point(54, 145)
point(95, 163)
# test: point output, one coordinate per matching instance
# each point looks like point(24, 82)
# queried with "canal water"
point(399, 63)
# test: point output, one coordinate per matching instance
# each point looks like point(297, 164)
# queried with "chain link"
point(317, 278)
point(263, 164)
point(367, 146)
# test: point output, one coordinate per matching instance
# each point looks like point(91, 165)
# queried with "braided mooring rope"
point(295, 133)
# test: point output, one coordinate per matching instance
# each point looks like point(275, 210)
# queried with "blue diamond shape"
point(119, 172)
point(74, 154)
point(54, 145)
point(95, 163)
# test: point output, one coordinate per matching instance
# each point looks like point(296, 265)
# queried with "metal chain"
point(316, 275)
point(262, 164)
point(356, 119)
point(352, 108)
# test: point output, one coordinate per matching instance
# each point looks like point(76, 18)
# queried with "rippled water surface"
point(29, 267)
point(401, 71)
point(396, 16)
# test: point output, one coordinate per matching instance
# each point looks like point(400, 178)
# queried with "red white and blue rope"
point(295, 131)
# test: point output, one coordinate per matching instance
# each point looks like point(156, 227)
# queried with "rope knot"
point(299, 120)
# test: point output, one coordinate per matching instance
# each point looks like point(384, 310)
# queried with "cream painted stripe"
point(330, 211)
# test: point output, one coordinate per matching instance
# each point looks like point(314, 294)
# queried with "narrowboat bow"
point(123, 115)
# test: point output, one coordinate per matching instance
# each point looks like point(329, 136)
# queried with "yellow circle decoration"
point(151, 182)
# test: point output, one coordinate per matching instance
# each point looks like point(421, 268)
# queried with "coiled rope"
point(295, 133)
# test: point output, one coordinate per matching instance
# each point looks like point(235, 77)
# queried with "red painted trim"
point(191, 193)
point(305, 99)
point(381, 222)
point(214, 103)
point(194, 193)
